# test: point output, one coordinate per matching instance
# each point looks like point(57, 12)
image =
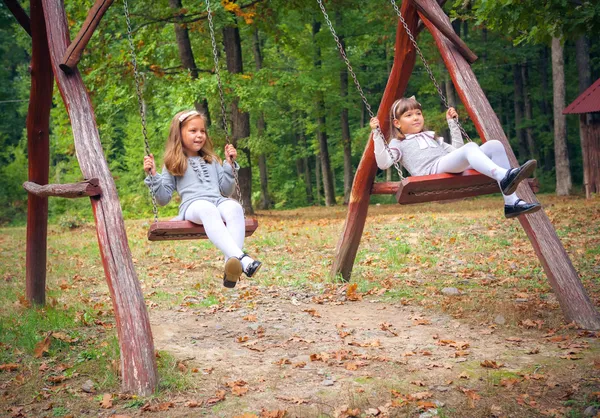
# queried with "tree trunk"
point(240, 121)
point(565, 282)
point(318, 167)
point(561, 155)
point(327, 174)
point(346, 140)
point(582, 51)
point(306, 164)
point(138, 363)
point(38, 150)
point(518, 109)
point(545, 81)
point(528, 112)
point(186, 55)
point(265, 199)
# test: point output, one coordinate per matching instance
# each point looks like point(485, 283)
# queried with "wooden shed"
point(587, 105)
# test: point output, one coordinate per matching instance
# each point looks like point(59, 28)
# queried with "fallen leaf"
point(182, 367)
point(491, 364)
point(239, 390)
point(312, 312)
point(297, 401)
point(9, 367)
point(417, 383)
point(352, 294)
point(43, 346)
point(278, 413)
point(472, 395)
point(219, 396)
point(106, 401)
point(192, 404)
point(250, 318)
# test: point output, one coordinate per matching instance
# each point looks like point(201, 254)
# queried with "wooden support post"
point(86, 188)
point(568, 289)
point(15, 8)
point(358, 206)
point(71, 58)
point(138, 364)
point(38, 149)
point(444, 26)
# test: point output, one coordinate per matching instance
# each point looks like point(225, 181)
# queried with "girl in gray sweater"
point(422, 153)
point(194, 170)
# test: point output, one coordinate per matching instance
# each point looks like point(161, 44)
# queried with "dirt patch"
point(313, 359)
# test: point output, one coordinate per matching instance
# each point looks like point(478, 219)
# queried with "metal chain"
point(222, 96)
point(141, 104)
point(427, 67)
point(358, 87)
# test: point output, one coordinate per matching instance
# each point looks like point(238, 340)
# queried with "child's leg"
point(495, 150)
point(470, 156)
point(233, 215)
point(208, 214)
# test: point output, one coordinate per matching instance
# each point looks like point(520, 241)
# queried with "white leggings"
point(229, 239)
point(490, 159)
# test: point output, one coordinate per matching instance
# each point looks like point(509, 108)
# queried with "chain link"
point(222, 96)
point(358, 87)
point(427, 67)
point(141, 104)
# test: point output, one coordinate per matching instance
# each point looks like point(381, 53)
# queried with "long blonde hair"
point(175, 158)
point(399, 107)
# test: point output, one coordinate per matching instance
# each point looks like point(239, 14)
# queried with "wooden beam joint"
point(89, 187)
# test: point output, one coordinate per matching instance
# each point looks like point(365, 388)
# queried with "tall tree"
point(265, 199)
point(186, 54)
point(327, 174)
point(582, 50)
point(561, 155)
point(240, 121)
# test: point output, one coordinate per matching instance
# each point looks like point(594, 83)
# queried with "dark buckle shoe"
point(252, 267)
point(514, 176)
point(512, 211)
point(233, 271)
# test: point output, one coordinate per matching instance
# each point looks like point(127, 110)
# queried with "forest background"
point(292, 108)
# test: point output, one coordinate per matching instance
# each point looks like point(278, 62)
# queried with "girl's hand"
point(149, 165)
point(451, 113)
point(230, 153)
point(374, 123)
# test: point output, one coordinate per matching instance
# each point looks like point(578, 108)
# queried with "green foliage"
point(284, 91)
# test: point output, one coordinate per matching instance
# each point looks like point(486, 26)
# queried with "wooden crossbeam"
point(21, 15)
point(444, 26)
point(73, 54)
point(89, 187)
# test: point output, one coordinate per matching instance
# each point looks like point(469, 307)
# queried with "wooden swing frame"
point(563, 278)
point(47, 25)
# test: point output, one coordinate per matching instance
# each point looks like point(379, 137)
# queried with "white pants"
point(229, 239)
point(489, 159)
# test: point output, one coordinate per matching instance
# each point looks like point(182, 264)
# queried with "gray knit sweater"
point(418, 153)
point(212, 182)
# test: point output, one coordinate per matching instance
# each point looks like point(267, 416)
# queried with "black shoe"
point(252, 268)
point(514, 176)
point(512, 211)
point(233, 271)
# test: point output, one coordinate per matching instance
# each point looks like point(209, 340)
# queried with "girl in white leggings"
point(422, 153)
point(194, 170)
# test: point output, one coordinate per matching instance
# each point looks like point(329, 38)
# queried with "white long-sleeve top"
point(418, 153)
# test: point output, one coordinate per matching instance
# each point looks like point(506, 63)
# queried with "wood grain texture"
point(38, 151)
point(82, 189)
point(358, 206)
point(557, 265)
point(138, 364)
point(183, 230)
point(73, 54)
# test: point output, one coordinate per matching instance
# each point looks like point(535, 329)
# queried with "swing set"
point(54, 57)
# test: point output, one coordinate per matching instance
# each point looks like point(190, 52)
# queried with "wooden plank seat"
point(180, 230)
point(419, 189)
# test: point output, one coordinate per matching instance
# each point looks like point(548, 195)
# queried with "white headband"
point(398, 102)
point(186, 115)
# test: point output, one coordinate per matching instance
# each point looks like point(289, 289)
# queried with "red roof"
point(588, 101)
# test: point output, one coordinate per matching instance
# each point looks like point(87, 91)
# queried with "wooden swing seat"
point(419, 189)
point(180, 230)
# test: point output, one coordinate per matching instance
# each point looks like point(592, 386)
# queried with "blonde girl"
point(193, 169)
point(422, 153)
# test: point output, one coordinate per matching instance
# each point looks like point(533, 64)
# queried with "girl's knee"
point(231, 207)
point(470, 146)
point(494, 145)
